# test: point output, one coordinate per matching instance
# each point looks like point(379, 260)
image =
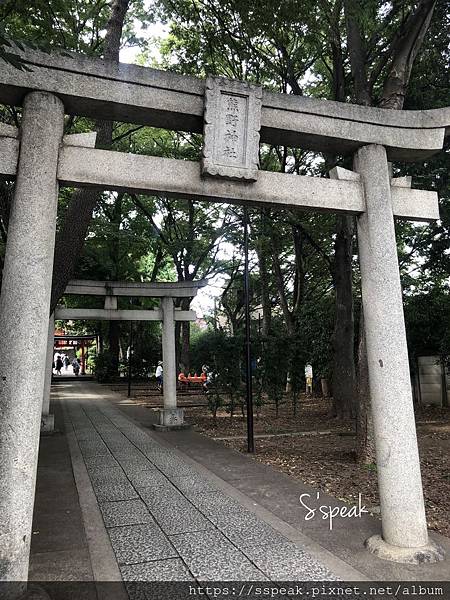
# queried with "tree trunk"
point(263, 254)
point(407, 47)
point(70, 238)
point(114, 254)
point(114, 346)
point(343, 337)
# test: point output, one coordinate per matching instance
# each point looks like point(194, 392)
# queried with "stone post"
point(48, 420)
point(404, 528)
point(170, 417)
point(24, 313)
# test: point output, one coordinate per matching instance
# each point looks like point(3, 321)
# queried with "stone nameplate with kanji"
point(231, 129)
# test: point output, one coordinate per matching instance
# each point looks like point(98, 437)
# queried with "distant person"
point(207, 377)
point(76, 366)
point(66, 362)
point(58, 365)
point(159, 375)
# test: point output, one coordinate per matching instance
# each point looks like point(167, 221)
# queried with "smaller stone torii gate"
point(171, 416)
point(234, 117)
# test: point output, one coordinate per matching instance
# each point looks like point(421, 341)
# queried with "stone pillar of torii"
point(234, 116)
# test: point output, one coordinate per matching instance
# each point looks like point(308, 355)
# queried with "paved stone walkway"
point(166, 520)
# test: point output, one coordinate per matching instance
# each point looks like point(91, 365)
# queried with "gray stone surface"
point(104, 169)
point(251, 533)
point(146, 446)
point(147, 478)
point(9, 156)
point(108, 314)
point(287, 562)
point(210, 556)
point(157, 580)
point(157, 289)
point(113, 491)
point(173, 465)
point(231, 129)
point(24, 314)
point(111, 475)
point(159, 495)
point(430, 553)
point(398, 468)
point(172, 569)
point(129, 453)
point(140, 543)
point(162, 99)
point(172, 417)
point(177, 515)
point(156, 451)
point(192, 486)
point(217, 506)
point(93, 447)
point(100, 462)
point(128, 512)
point(169, 356)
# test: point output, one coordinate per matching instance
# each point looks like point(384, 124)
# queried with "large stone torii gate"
point(233, 117)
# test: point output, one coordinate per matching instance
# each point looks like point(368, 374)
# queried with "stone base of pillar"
point(47, 424)
point(430, 553)
point(171, 419)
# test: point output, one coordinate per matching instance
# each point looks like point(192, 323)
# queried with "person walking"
point(58, 365)
point(76, 366)
point(159, 375)
point(66, 362)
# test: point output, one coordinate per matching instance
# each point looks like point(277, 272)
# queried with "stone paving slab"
point(143, 478)
point(114, 491)
point(136, 463)
point(177, 515)
point(191, 487)
point(140, 543)
point(286, 562)
point(155, 497)
point(126, 512)
point(100, 462)
point(218, 507)
point(128, 454)
point(93, 448)
point(109, 475)
point(120, 446)
point(172, 569)
point(211, 557)
point(259, 535)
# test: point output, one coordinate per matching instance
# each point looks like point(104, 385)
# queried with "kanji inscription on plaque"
point(231, 129)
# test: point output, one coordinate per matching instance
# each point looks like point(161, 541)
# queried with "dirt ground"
point(328, 461)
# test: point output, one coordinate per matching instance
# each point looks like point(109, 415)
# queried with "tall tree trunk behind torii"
point(70, 238)
point(404, 52)
point(344, 376)
point(263, 253)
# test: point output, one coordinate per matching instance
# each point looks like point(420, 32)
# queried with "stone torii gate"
point(233, 116)
point(171, 416)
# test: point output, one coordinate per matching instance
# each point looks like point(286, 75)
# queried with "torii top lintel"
point(176, 289)
point(94, 88)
